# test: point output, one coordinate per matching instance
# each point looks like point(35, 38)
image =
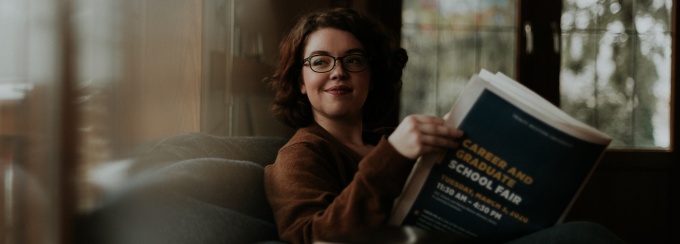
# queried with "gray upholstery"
point(191, 188)
point(259, 150)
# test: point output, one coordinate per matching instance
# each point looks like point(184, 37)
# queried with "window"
point(608, 63)
point(615, 69)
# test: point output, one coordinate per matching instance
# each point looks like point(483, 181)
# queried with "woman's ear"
point(303, 88)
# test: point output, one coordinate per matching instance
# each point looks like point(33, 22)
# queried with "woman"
point(339, 71)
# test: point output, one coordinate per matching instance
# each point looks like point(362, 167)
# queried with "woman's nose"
point(338, 72)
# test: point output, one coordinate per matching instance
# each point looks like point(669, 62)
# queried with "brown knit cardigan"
point(321, 190)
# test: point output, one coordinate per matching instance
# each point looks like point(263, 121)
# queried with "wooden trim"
point(68, 129)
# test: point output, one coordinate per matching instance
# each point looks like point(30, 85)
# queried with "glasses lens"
point(325, 63)
point(354, 63)
point(321, 63)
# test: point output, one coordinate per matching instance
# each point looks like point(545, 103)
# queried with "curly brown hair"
point(387, 63)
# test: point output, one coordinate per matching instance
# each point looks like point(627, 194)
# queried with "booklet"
point(518, 169)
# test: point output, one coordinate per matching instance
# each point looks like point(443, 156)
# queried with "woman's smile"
point(339, 90)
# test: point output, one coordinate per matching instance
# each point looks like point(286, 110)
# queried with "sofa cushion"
point(257, 149)
point(232, 184)
point(173, 219)
point(194, 188)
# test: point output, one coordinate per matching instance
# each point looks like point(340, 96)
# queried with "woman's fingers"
point(446, 116)
point(431, 125)
point(439, 129)
point(438, 141)
point(421, 134)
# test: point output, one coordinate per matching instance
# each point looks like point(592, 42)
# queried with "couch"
point(200, 188)
point(189, 188)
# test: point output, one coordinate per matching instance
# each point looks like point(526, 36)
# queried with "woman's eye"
point(355, 60)
point(319, 62)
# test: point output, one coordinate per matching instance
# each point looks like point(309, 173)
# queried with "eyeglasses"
point(325, 63)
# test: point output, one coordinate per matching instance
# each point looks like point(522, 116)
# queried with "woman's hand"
point(420, 134)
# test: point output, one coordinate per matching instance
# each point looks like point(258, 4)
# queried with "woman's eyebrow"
point(351, 51)
point(319, 53)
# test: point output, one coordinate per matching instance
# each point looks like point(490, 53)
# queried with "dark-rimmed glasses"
point(324, 63)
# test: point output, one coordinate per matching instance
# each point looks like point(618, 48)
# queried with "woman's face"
point(337, 95)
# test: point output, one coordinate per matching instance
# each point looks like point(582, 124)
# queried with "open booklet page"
point(518, 169)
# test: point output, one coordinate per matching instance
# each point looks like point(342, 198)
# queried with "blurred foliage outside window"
point(616, 69)
point(615, 58)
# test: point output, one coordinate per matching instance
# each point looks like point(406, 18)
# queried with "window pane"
point(577, 88)
point(458, 51)
point(497, 13)
point(420, 74)
point(616, 69)
point(498, 51)
point(448, 42)
point(651, 124)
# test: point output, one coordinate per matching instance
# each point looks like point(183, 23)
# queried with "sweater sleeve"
point(310, 201)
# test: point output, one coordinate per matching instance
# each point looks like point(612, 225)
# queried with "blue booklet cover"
point(514, 172)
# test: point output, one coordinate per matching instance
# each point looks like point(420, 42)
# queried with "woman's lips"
point(339, 90)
